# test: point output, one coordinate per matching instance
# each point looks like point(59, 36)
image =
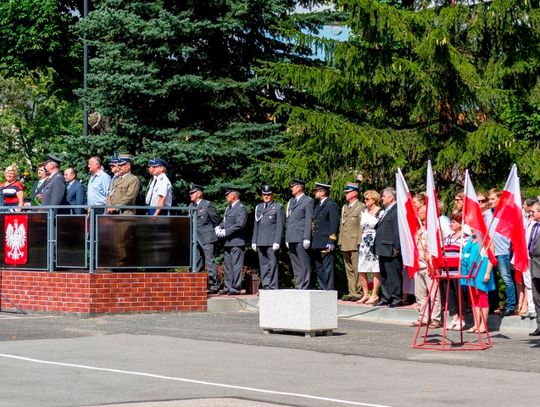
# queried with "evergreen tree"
point(176, 80)
point(415, 80)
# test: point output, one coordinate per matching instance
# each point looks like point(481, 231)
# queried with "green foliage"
point(34, 120)
point(36, 35)
point(414, 82)
point(177, 81)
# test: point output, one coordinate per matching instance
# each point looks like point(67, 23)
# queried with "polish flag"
point(408, 225)
point(509, 218)
point(432, 219)
point(472, 216)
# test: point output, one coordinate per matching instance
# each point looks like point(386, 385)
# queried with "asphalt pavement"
point(224, 359)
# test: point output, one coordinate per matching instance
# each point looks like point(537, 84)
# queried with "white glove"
point(254, 247)
point(330, 247)
point(222, 233)
point(287, 244)
point(216, 229)
point(306, 244)
point(275, 246)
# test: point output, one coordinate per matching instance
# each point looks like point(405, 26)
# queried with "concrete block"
point(306, 311)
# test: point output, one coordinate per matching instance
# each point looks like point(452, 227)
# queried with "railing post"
point(91, 266)
point(193, 228)
point(51, 230)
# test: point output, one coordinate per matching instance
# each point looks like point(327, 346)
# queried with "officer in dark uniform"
point(298, 234)
point(324, 238)
point(267, 232)
point(207, 220)
point(54, 191)
point(232, 231)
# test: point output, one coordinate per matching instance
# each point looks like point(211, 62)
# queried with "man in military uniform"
point(267, 232)
point(325, 229)
point(298, 234)
point(159, 192)
point(207, 220)
point(124, 187)
point(54, 191)
point(350, 235)
point(232, 230)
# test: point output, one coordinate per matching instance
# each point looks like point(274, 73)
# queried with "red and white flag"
point(432, 219)
point(509, 220)
point(472, 216)
point(408, 225)
point(15, 239)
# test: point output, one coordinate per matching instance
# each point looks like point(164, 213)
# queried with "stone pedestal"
point(307, 311)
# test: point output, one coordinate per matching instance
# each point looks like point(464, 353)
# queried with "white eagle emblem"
point(15, 240)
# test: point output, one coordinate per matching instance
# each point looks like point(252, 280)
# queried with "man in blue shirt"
point(502, 254)
point(99, 182)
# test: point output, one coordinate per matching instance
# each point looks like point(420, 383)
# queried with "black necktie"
point(534, 234)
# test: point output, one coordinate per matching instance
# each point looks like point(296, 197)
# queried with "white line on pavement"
point(180, 379)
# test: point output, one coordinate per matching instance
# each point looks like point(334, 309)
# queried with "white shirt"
point(160, 187)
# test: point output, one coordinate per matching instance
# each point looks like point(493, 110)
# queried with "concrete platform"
point(348, 310)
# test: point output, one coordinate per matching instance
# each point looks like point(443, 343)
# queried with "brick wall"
point(103, 292)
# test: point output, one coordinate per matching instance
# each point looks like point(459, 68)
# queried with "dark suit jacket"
point(325, 224)
point(76, 195)
point(268, 229)
point(387, 235)
point(299, 216)
point(534, 254)
point(37, 190)
point(234, 223)
point(54, 191)
point(207, 220)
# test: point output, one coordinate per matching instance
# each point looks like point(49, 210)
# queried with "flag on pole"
point(472, 216)
point(509, 218)
point(408, 225)
point(432, 219)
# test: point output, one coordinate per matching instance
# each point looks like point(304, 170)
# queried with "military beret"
point(54, 158)
point(232, 188)
point(194, 188)
point(318, 186)
point(124, 159)
point(351, 186)
point(157, 162)
point(296, 181)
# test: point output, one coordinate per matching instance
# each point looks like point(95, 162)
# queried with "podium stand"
point(445, 342)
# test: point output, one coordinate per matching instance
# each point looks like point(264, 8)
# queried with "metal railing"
point(54, 237)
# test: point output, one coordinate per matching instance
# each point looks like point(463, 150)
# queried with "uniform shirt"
point(98, 186)
point(160, 187)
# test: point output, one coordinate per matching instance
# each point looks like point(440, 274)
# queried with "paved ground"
point(223, 359)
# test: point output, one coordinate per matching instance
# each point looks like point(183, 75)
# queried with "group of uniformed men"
point(311, 225)
point(311, 228)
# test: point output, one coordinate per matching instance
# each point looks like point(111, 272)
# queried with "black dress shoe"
point(381, 303)
point(508, 313)
point(536, 332)
point(396, 303)
point(212, 292)
point(223, 292)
